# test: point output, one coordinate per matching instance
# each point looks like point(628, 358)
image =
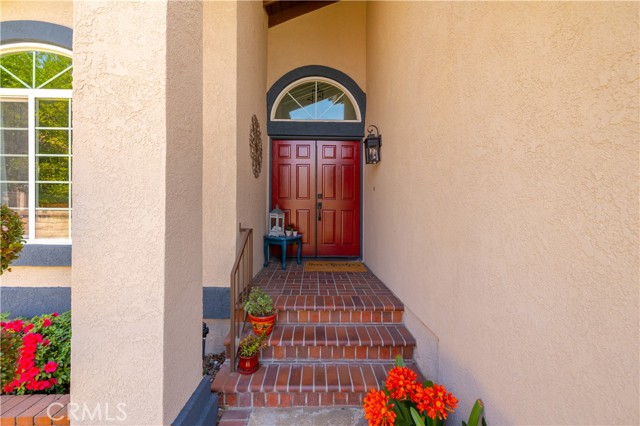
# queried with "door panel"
point(294, 180)
point(306, 174)
point(339, 178)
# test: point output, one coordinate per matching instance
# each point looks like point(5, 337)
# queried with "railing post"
point(239, 283)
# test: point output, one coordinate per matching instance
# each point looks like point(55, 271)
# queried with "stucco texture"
point(137, 259)
point(504, 212)
point(55, 12)
point(334, 36)
point(234, 90)
point(251, 201)
point(26, 276)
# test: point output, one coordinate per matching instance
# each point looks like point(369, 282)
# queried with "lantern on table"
point(276, 222)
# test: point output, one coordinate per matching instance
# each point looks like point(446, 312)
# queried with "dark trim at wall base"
point(36, 31)
point(33, 301)
point(215, 303)
point(201, 409)
point(44, 255)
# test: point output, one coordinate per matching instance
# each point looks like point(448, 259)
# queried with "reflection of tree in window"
point(43, 200)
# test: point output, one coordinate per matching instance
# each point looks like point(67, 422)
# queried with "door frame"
point(325, 138)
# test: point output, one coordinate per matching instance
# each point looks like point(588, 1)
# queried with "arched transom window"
point(315, 99)
point(35, 138)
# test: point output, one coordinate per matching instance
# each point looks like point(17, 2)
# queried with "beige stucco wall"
point(137, 270)
point(219, 141)
point(334, 36)
point(56, 12)
point(504, 212)
point(251, 201)
point(25, 276)
point(234, 90)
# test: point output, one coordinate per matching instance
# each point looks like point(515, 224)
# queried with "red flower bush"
point(35, 355)
point(404, 401)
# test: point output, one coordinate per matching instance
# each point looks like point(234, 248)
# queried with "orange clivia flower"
point(434, 401)
point(401, 382)
point(377, 409)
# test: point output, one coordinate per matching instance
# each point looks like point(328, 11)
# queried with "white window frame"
point(31, 95)
point(286, 90)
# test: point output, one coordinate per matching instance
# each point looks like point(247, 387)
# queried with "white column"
point(137, 236)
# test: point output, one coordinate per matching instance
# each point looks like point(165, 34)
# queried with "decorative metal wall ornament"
point(255, 143)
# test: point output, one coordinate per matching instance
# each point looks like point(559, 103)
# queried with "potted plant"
point(249, 353)
point(260, 310)
point(290, 229)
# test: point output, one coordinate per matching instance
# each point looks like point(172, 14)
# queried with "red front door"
point(317, 185)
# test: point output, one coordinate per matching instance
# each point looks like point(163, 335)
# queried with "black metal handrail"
point(240, 284)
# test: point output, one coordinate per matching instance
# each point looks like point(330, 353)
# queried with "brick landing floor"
point(336, 337)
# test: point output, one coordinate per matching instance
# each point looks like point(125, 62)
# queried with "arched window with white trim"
point(316, 99)
point(35, 138)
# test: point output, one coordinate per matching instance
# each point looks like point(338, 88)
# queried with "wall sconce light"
point(372, 144)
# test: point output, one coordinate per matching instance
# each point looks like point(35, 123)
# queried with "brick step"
point(386, 302)
point(335, 342)
point(284, 384)
point(384, 309)
point(327, 316)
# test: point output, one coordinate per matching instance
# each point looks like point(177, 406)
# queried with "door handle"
point(319, 211)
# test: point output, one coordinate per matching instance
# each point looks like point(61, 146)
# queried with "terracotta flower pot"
point(262, 324)
point(248, 365)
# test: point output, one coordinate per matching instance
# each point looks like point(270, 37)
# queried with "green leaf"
point(399, 361)
point(402, 410)
point(416, 417)
point(476, 412)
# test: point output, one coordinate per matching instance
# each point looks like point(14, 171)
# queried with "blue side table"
point(283, 242)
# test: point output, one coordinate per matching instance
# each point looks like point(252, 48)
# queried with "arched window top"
point(315, 99)
point(35, 66)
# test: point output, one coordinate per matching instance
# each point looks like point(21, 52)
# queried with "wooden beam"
point(296, 9)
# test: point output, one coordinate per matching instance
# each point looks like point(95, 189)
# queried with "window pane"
point(316, 100)
point(14, 168)
point(24, 216)
point(63, 81)
point(52, 112)
point(14, 113)
point(297, 104)
point(14, 142)
point(52, 224)
point(48, 65)
point(53, 195)
point(53, 168)
point(14, 195)
point(52, 141)
point(19, 64)
point(333, 104)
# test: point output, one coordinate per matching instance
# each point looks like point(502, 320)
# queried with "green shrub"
point(36, 354)
point(11, 241)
